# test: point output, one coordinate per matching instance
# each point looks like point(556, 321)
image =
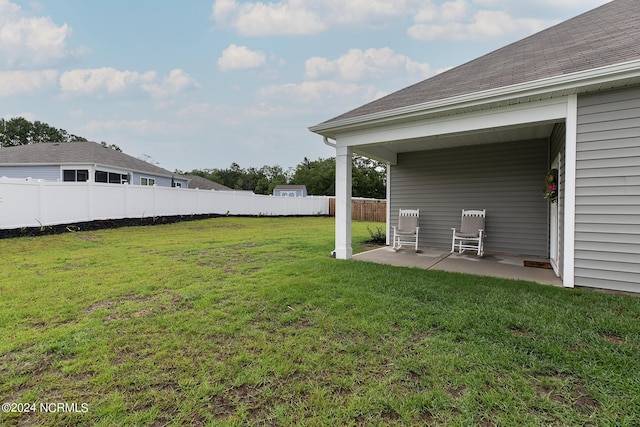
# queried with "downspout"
point(326, 141)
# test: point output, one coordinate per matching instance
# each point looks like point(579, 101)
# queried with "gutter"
point(625, 70)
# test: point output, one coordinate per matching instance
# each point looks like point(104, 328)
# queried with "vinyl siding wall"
point(161, 181)
point(49, 173)
point(53, 173)
point(506, 179)
point(607, 250)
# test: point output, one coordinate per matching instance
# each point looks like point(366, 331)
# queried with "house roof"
point(605, 36)
point(290, 187)
point(81, 152)
point(196, 181)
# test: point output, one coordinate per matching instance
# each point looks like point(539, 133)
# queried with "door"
point(554, 226)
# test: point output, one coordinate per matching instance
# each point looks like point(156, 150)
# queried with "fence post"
point(42, 210)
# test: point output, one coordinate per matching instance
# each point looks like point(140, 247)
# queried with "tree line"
point(369, 176)
point(20, 131)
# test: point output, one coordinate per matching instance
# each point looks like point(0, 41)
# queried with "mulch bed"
point(99, 225)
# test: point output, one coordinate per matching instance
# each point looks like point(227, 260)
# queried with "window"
point(111, 177)
point(75, 175)
point(102, 176)
point(115, 178)
point(147, 181)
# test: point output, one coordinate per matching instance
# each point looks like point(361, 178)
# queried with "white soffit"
point(478, 122)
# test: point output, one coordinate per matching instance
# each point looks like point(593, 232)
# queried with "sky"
point(202, 84)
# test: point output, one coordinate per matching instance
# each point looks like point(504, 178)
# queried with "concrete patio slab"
point(494, 265)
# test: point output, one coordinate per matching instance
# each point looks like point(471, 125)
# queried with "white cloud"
point(311, 92)
point(240, 58)
point(455, 20)
point(137, 126)
point(19, 82)
point(26, 115)
point(303, 17)
point(30, 41)
point(367, 12)
point(357, 64)
point(556, 4)
point(194, 109)
point(87, 81)
point(290, 17)
point(110, 80)
point(176, 82)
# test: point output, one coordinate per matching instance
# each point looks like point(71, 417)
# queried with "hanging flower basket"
point(551, 186)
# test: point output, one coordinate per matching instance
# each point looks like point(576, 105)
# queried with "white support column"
point(343, 203)
point(388, 242)
point(571, 141)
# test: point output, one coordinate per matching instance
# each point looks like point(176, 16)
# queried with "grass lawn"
point(248, 321)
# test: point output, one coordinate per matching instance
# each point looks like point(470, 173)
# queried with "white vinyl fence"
point(33, 203)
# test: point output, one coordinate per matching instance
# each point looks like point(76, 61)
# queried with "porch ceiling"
point(387, 151)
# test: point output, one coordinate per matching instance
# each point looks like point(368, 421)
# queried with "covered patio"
point(486, 135)
point(493, 265)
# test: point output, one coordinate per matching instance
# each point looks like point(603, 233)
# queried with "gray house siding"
point(506, 179)
point(53, 173)
point(161, 181)
point(49, 172)
point(607, 241)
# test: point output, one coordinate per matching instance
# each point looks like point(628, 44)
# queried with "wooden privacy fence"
point(364, 209)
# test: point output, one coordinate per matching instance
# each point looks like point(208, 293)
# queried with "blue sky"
point(200, 84)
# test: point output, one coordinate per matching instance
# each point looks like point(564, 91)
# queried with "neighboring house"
point(196, 181)
point(82, 161)
point(290, 191)
point(485, 134)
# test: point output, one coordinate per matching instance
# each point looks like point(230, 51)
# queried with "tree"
point(20, 131)
point(368, 177)
point(15, 131)
point(317, 175)
point(260, 181)
point(112, 146)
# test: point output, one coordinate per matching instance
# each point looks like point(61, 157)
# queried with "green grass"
point(248, 321)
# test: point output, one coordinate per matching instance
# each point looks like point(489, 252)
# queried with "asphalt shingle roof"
point(65, 153)
point(607, 35)
point(196, 181)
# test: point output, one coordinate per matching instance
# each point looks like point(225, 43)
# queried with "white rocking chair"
point(406, 233)
point(471, 233)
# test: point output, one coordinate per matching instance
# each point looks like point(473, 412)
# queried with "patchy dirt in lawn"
point(116, 223)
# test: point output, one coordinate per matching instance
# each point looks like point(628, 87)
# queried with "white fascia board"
point(518, 114)
point(567, 82)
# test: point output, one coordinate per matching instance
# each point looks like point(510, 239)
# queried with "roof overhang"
point(597, 79)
